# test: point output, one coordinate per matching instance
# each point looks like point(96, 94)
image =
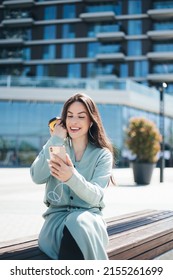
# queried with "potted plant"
point(143, 140)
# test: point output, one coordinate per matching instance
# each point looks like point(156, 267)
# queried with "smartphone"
point(58, 150)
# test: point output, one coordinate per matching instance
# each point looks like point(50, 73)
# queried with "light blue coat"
point(77, 203)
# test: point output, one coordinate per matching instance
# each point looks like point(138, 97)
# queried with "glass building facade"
point(122, 38)
point(24, 128)
point(78, 39)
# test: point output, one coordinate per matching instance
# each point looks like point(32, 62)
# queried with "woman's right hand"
point(59, 131)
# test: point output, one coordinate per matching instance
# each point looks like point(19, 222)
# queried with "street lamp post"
point(162, 130)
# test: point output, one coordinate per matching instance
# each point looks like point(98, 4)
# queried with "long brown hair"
point(96, 134)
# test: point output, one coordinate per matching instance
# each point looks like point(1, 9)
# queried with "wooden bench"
point(141, 235)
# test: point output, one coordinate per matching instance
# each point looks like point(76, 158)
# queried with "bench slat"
point(138, 222)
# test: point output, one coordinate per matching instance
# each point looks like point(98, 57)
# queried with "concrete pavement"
point(21, 201)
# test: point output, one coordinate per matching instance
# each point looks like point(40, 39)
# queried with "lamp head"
point(164, 85)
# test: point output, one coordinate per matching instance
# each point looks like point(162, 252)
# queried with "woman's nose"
point(74, 121)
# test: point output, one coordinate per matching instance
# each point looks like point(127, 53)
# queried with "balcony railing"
point(96, 83)
point(161, 77)
point(15, 22)
point(98, 16)
point(18, 3)
point(160, 34)
point(160, 56)
point(110, 36)
point(160, 13)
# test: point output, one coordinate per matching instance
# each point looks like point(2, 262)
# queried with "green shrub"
point(143, 139)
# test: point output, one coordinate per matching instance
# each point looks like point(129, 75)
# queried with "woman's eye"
point(69, 116)
point(81, 117)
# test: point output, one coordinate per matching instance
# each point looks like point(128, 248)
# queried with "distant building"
point(27, 104)
point(88, 38)
point(52, 49)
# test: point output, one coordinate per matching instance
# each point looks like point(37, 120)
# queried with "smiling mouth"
point(74, 129)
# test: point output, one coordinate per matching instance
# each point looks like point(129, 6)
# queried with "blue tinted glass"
point(160, 46)
point(93, 29)
point(134, 27)
point(134, 47)
point(109, 48)
point(74, 70)
point(27, 53)
point(112, 120)
point(69, 11)
point(140, 68)
point(102, 7)
point(26, 71)
point(49, 52)
point(50, 32)
point(134, 6)
point(68, 31)
point(123, 70)
point(106, 69)
point(68, 51)
point(50, 12)
point(165, 25)
point(28, 34)
point(92, 49)
point(160, 4)
point(41, 70)
point(163, 68)
point(27, 118)
point(91, 70)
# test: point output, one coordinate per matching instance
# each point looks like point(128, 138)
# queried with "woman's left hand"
point(59, 169)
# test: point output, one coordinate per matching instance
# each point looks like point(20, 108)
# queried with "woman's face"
point(78, 120)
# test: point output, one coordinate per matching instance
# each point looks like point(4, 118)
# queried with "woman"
point(74, 227)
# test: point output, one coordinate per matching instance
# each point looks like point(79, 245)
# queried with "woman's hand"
point(59, 169)
point(59, 131)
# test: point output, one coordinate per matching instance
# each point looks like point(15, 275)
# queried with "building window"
point(49, 52)
point(68, 31)
point(68, 51)
point(27, 34)
point(163, 68)
point(109, 48)
point(107, 69)
point(169, 89)
point(102, 7)
point(74, 70)
point(134, 47)
point(93, 29)
point(165, 25)
point(158, 4)
point(50, 32)
point(50, 12)
point(123, 70)
point(27, 53)
point(92, 49)
point(41, 70)
point(163, 47)
point(69, 11)
point(141, 68)
point(26, 72)
point(91, 70)
point(134, 6)
point(134, 27)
